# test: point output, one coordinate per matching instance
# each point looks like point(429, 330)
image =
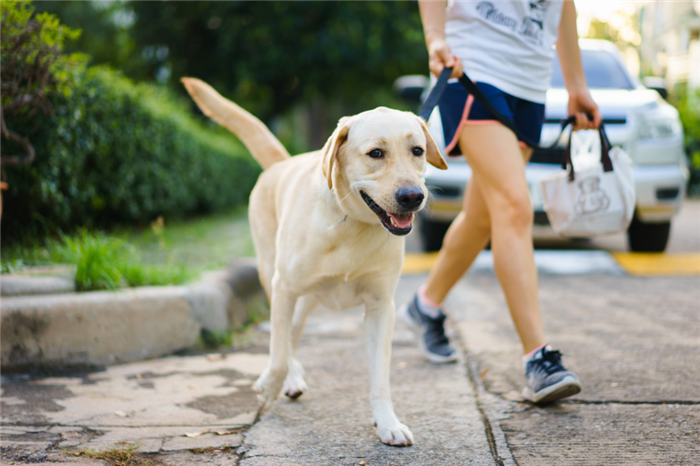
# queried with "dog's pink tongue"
point(402, 220)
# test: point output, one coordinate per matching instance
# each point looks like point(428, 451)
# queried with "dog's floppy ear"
point(330, 150)
point(432, 154)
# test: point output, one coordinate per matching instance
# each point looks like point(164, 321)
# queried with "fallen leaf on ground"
point(226, 432)
point(483, 373)
point(121, 414)
point(196, 434)
point(216, 357)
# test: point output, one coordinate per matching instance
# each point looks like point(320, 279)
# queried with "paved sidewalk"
point(153, 404)
point(331, 424)
point(633, 341)
point(634, 344)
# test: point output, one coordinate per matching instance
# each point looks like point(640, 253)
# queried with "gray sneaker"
point(547, 378)
point(431, 332)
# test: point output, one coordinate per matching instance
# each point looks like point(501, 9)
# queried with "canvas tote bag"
point(595, 198)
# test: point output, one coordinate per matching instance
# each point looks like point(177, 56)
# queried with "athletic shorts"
point(459, 108)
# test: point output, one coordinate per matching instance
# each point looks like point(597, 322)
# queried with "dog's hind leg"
point(379, 328)
point(294, 384)
point(270, 382)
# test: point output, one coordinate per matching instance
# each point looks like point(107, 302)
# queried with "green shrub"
point(688, 106)
point(114, 152)
point(106, 263)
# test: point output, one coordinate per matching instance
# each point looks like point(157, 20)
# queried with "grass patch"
point(118, 456)
point(105, 262)
point(209, 242)
point(163, 254)
point(215, 340)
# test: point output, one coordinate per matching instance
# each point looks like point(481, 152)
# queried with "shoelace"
point(436, 330)
point(550, 362)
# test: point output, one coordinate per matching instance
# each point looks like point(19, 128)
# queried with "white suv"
point(636, 118)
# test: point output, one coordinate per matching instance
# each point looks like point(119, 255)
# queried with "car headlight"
point(659, 129)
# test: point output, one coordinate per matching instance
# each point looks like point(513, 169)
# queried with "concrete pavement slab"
point(153, 404)
point(632, 341)
point(605, 434)
point(171, 391)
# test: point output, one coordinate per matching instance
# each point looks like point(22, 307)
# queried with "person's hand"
point(440, 57)
point(581, 104)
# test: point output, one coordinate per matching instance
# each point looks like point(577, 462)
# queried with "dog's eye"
point(417, 151)
point(376, 153)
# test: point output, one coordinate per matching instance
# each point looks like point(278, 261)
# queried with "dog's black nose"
point(410, 198)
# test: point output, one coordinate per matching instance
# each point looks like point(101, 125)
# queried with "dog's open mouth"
point(397, 224)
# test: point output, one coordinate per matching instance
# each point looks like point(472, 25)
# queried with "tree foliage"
point(118, 153)
point(32, 67)
point(268, 56)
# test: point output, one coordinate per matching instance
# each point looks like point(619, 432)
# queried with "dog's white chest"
point(338, 294)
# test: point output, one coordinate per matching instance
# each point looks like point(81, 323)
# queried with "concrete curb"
point(107, 327)
point(18, 285)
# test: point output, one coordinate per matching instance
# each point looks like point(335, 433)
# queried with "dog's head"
point(376, 161)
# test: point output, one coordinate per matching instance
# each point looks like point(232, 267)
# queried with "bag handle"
point(605, 160)
point(473, 89)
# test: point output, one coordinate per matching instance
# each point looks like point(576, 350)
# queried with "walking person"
point(507, 48)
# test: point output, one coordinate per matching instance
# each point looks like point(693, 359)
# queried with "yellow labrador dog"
point(329, 227)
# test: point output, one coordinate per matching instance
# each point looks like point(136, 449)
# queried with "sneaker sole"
point(410, 323)
point(569, 386)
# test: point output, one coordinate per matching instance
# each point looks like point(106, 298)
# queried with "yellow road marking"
point(634, 263)
point(418, 263)
point(658, 264)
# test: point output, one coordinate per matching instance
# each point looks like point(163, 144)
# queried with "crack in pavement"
point(491, 427)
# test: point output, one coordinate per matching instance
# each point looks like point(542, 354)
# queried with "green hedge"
point(688, 106)
point(114, 152)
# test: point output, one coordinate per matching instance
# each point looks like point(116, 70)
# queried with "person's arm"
point(580, 100)
point(432, 14)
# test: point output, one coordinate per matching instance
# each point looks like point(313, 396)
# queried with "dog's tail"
point(264, 146)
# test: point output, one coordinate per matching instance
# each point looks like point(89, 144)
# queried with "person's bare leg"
point(499, 186)
point(494, 156)
point(467, 236)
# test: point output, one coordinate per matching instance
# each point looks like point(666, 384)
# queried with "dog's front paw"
point(268, 387)
point(395, 434)
point(294, 384)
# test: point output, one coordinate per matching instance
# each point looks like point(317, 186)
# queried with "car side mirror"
point(657, 84)
point(410, 88)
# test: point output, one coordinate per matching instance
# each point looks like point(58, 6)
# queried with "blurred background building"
point(670, 41)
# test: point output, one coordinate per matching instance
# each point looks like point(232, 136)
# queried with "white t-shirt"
point(508, 44)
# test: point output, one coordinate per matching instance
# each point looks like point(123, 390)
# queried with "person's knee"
point(480, 223)
point(465, 229)
point(515, 210)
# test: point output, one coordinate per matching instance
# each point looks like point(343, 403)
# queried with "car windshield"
point(603, 71)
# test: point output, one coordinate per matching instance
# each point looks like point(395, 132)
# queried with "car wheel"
point(648, 237)
point(432, 234)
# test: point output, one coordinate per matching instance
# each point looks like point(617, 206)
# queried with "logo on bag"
point(592, 198)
